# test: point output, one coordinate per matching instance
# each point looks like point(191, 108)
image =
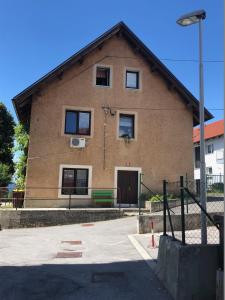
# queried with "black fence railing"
point(185, 222)
point(214, 185)
point(148, 195)
point(62, 197)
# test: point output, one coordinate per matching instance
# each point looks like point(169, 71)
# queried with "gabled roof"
point(22, 102)
point(212, 130)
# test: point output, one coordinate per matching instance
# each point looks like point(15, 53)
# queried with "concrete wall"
point(39, 218)
point(158, 205)
point(188, 272)
point(192, 221)
point(162, 148)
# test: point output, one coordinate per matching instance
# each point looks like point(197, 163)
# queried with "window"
point(78, 122)
point(210, 148)
point(197, 157)
point(219, 154)
point(126, 126)
point(209, 170)
point(75, 181)
point(102, 76)
point(132, 79)
point(197, 181)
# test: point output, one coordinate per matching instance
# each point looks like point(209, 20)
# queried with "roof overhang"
point(22, 102)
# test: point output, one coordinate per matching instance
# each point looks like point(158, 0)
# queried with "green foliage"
point(158, 197)
point(6, 145)
point(5, 175)
point(22, 138)
point(21, 146)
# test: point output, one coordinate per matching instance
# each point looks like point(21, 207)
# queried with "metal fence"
point(146, 194)
point(64, 197)
point(182, 216)
point(214, 185)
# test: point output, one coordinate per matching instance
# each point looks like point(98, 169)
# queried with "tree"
point(21, 146)
point(6, 145)
point(5, 175)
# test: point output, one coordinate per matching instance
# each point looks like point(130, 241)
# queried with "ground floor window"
point(75, 181)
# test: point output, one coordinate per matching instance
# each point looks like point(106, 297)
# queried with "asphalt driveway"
point(95, 261)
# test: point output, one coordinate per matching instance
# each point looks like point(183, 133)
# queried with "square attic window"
point(132, 80)
point(103, 76)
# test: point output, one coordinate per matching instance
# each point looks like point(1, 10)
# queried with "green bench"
point(103, 197)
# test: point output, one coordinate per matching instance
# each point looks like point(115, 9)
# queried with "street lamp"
point(186, 20)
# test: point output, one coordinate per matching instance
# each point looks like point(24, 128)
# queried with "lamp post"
point(186, 20)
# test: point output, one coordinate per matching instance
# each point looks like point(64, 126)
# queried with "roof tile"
point(211, 130)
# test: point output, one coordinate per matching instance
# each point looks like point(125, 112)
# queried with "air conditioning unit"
point(77, 142)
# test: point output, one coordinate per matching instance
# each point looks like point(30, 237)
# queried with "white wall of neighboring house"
point(214, 161)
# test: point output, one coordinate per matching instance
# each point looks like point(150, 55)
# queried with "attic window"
point(103, 76)
point(132, 80)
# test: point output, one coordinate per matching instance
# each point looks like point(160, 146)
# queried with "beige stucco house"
point(102, 118)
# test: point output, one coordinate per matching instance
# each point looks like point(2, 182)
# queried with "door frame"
point(138, 169)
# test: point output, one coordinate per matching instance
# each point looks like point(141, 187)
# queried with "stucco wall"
point(163, 144)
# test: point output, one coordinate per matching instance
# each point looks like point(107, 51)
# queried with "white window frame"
point(220, 154)
point(61, 167)
point(110, 75)
point(132, 113)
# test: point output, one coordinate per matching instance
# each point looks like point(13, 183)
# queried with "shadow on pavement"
point(121, 280)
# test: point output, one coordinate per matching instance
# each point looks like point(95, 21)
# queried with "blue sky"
point(36, 36)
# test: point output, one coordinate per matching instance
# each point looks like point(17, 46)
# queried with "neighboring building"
point(214, 151)
point(130, 113)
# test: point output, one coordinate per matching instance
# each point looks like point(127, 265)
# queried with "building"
point(214, 152)
point(125, 110)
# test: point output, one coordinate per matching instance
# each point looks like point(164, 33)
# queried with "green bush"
point(217, 187)
point(156, 198)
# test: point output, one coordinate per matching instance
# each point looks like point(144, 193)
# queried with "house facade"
point(102, 118)
point(214, 152)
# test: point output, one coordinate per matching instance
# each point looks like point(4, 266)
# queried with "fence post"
point(182, 208)
point(186, 185)
point(120, 197)
point(69, 201)
point(16, 202)
point(139, 194)
point(164, 206)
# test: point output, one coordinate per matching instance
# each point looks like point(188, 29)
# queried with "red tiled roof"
point(211, 130)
